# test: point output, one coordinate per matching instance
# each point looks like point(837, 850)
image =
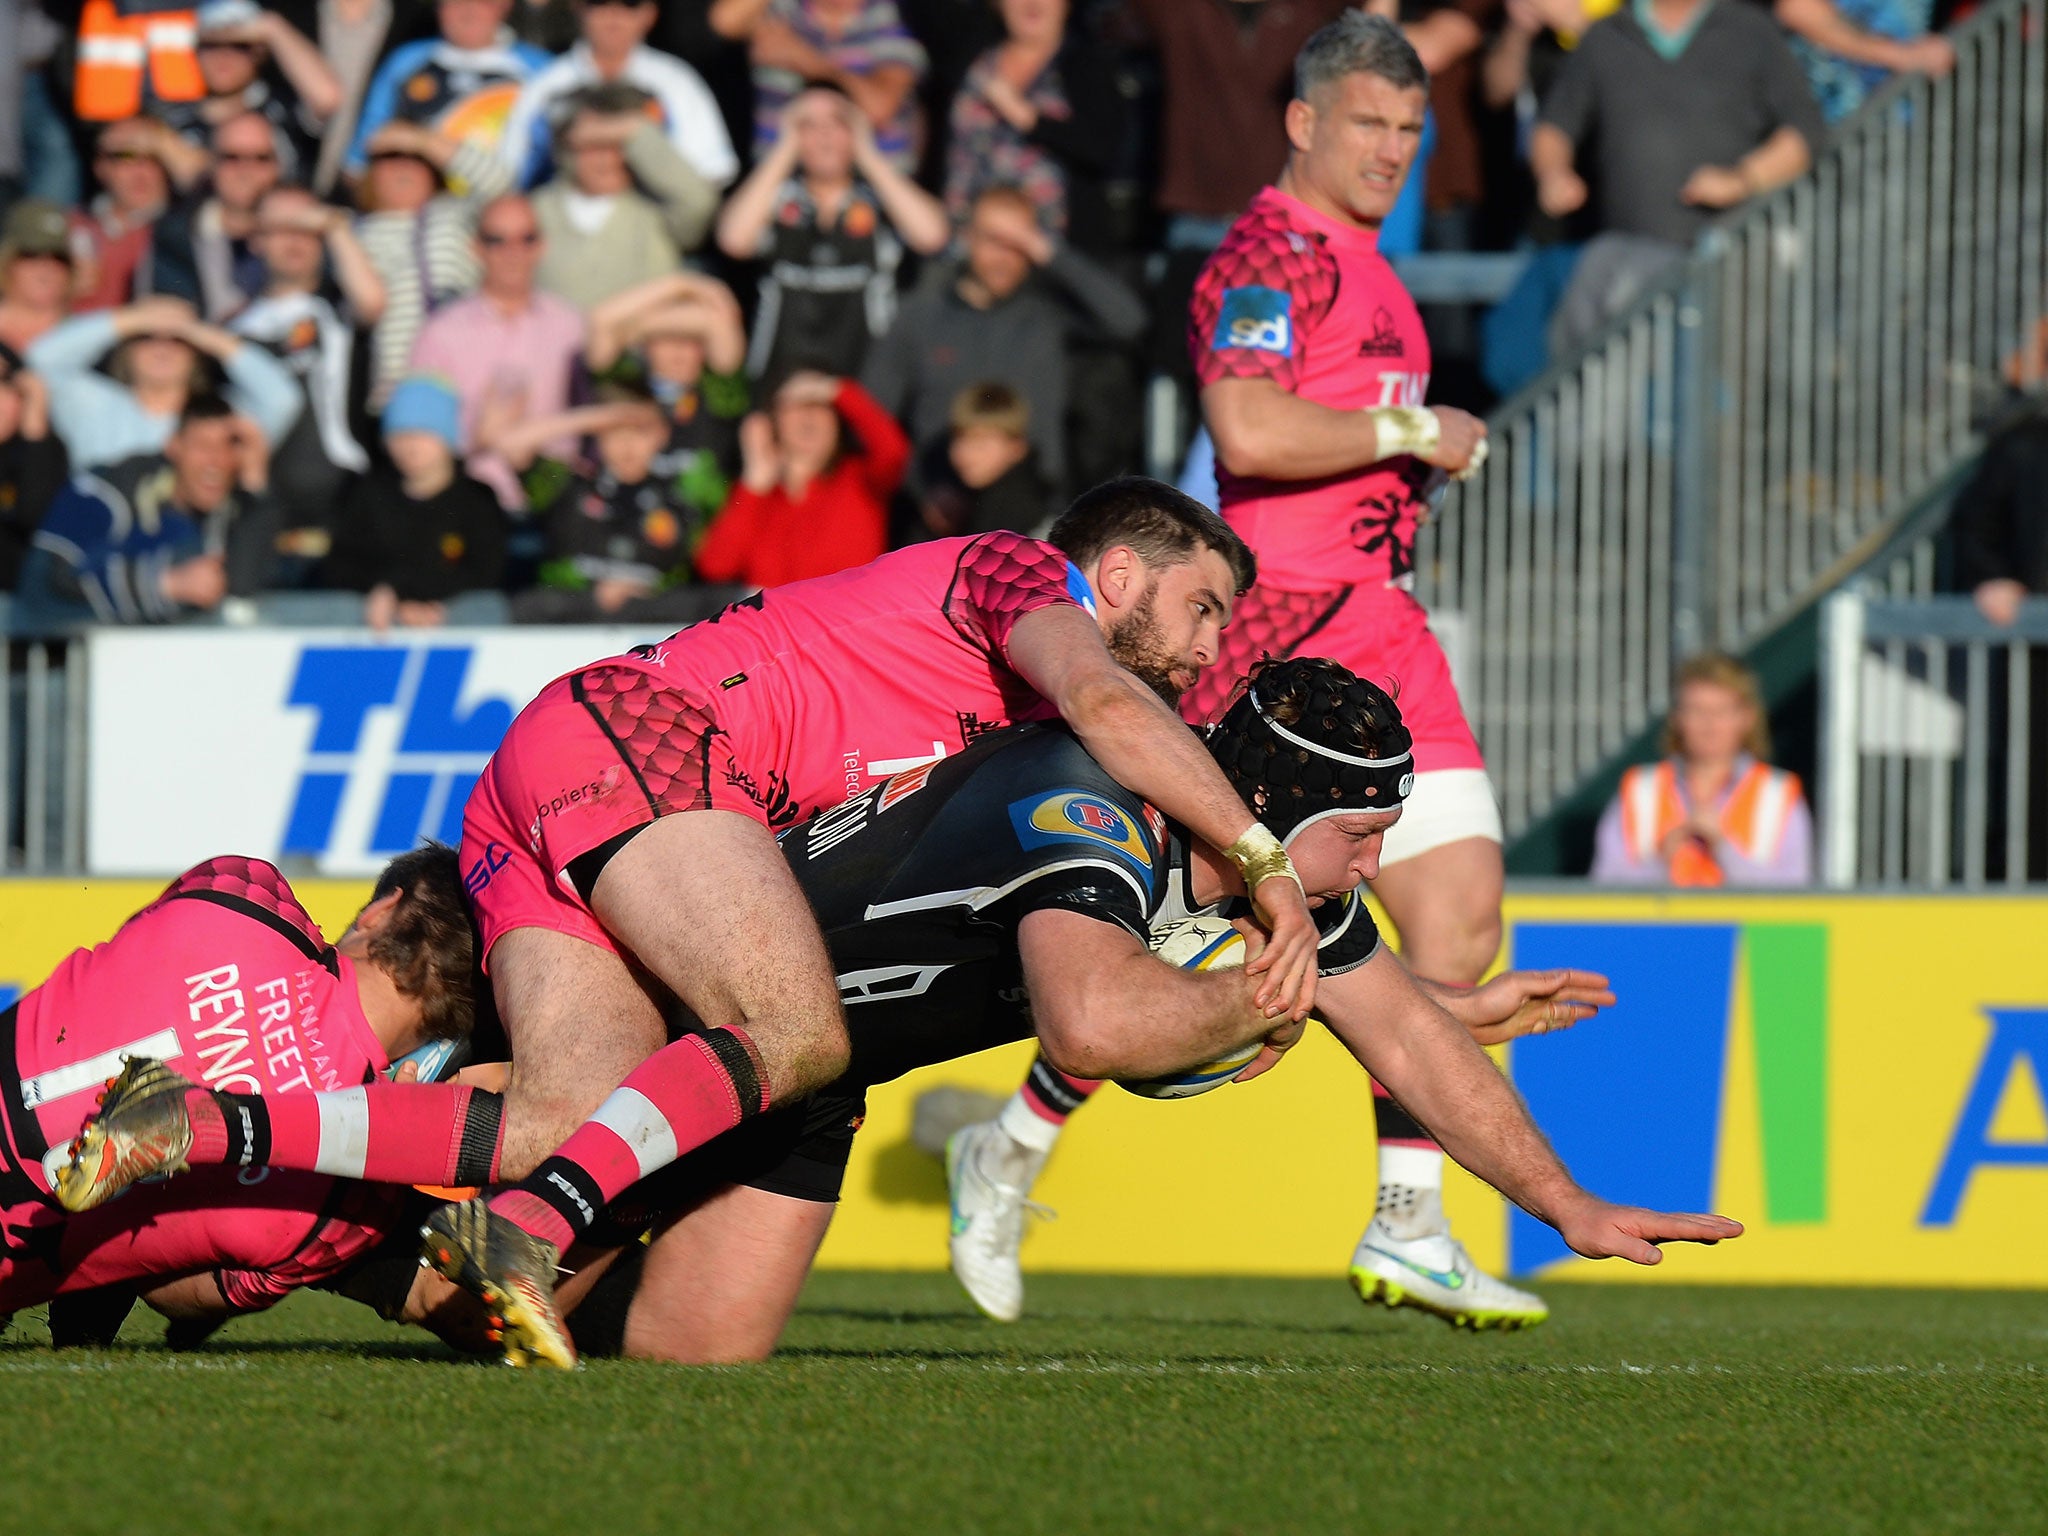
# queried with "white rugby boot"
point(1429, 1269)
point(988, 1175)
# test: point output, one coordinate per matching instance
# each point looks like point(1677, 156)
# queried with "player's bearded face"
point(1138, 641)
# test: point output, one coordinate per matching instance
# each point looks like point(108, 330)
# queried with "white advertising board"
point(337, 746)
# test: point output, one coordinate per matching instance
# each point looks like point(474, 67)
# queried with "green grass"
point(1127, 1406)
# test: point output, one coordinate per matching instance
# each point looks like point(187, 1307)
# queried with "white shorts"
point(1447, 805)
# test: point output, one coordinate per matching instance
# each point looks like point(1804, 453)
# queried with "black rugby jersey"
point(921, 885)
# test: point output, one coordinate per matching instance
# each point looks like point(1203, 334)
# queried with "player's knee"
point(801, 1055)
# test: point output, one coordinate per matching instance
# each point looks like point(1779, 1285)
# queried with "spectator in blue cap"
point(416, 531)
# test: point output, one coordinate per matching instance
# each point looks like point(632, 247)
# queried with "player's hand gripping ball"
point(1199, 944)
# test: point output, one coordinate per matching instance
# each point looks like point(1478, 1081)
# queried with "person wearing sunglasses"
point(201, 247)
point(139, 165)
point(510, 339)
point(253, 60)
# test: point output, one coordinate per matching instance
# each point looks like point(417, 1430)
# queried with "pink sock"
point(388, 1133)
point(679, 1098)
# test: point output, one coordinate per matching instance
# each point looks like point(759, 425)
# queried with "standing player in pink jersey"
point(1314, 367)
point(227, 978)
point(598, 904)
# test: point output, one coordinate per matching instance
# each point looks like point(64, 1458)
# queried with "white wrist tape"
point(1400, 429)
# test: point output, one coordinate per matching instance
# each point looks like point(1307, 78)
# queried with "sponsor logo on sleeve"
point(1257, 319)
point(1079, 818)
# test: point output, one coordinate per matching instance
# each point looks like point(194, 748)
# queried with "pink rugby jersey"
point(825, 687)
point(226, 978)
point(1300, 298)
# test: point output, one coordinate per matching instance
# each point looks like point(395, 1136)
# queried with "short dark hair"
point(204, 406)
point(429, 947)
point(612, 98)
point(1357, 43)
point(1164, 525)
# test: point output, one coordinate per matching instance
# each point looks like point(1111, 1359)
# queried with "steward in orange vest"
point(1754, 817)
point(119, 41)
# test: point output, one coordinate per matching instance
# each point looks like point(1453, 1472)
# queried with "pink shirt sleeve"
point(1001, 577)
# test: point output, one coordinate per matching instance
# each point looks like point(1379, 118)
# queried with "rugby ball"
point(1198, 944)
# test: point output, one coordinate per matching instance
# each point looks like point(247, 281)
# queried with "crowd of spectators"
point(614, 306)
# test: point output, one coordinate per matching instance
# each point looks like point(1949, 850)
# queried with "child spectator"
point(160, 535)
point(618, 537)
point(991, 478)
point(416, 533)
point(626, 205)
point(419, 235)
point(680, 338)
point(827, 216)
point(808, 503)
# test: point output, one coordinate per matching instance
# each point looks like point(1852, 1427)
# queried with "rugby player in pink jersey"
point(1314, 367)
point(227, 979)
point(598, 905)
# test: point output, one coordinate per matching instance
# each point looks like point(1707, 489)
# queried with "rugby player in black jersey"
point(1013, 888)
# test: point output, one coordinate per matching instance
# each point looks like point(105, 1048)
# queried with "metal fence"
point(1934, 732)
point(1757, 424)
point(42, 757)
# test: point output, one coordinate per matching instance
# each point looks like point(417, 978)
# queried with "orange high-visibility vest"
point(1753, 817)
point(113, 51)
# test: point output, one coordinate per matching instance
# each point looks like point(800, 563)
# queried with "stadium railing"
point(1932, 732)
point(1757, 426)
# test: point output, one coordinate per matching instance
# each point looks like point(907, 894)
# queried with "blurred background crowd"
point(614, 307)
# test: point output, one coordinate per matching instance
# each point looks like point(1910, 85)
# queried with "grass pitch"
point(1120, 1405)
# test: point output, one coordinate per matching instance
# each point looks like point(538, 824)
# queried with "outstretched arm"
point(1430, 1062)
point(1143, 745)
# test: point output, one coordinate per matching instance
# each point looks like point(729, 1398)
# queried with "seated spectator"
point(1689, 107)
point(991, 479)
point(37, 272)
point(318, 288)
point(420, 235)
point(625, 206)
point(160, 359)
point(1713, 812)
point(809, 502)
point(508, 339)
point(417, 532)
point(199, 250)
point(1850, 48)
point(619, 538)
point(160, 536)
point(827, 216)
point(614, 50)
point(860, 47)
point(680, 338)
point(138, 163)
point(33, 468)
point(462, 84)
point(1041, 112)
point(253, 60)
point(1003, 315)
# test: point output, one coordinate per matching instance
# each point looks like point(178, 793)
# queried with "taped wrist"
point(1400, 429)
point(1259, 857)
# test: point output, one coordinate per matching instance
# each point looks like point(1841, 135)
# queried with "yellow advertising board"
point(1856, 1078)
